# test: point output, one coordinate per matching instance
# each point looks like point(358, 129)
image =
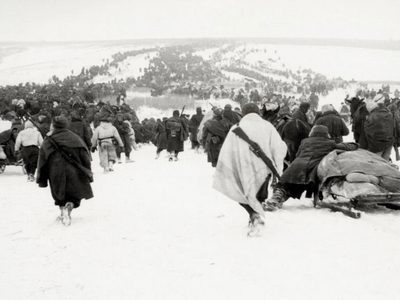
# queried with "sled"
point(344, 208)
point(355, 181)
point(352, 207)
point(6, 162)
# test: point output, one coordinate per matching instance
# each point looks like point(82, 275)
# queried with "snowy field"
point(39, 62)
point(156, 230)
point(349, 63)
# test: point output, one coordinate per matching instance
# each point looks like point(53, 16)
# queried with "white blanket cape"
point(240, 173)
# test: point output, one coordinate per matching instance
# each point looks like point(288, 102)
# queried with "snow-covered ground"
point(157, 230)
point(349, 63)
point(132, 67)
point(39, 62)
point(207, 54)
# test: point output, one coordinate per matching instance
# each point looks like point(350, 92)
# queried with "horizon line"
point(390, 40)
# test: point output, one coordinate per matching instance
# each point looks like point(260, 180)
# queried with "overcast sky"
point(70, 20)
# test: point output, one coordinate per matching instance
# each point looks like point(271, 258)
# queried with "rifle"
point(183, 109)
point(28, 117)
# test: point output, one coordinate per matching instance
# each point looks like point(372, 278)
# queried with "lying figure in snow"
point(301, 175)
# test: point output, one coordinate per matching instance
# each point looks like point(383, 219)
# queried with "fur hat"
point(249, 108)
point(60, 122)
point(326, 108)
point(319, 131)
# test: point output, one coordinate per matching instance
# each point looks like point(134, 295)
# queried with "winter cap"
point(217, 111)
point(327, 107)
point(175, 113)
point(319, 131)
point(28, 124)
point(21, 103)
point(228, 107)
point(270, 106)
point(60, 122)
point(304, 106)
point(249, 108)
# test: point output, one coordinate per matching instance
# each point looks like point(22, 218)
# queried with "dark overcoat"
point(81, 129)
point(177, 133)
point(161, 136)
point(214, 134)
point(66, 180)
point(194, 124)
point(378, 130)
point(303, 170)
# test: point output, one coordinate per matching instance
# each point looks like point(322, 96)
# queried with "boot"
point(66, 219)
point(128, 160)
point(111, 166)
point(276, 200)
point(256, 224)
point(60, 217)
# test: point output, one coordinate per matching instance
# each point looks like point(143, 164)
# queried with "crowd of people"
point(249, 146)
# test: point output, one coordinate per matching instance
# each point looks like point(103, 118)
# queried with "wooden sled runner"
point(352, 207)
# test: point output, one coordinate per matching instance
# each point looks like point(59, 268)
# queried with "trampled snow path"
point(156, 230)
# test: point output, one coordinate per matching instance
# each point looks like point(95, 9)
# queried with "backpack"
point(174, 127)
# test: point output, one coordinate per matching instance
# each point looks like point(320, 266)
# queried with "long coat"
point(66, 180)
point(81, 129)
point(303, 170)
point(161, 136)
point(214, 134)
point(177, 133)
point(194, 124)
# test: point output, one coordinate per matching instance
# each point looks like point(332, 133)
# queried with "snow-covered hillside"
point(39, 62)
point(132, 67)
point(156, 230)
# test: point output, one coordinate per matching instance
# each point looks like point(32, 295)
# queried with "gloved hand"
point(93, 149)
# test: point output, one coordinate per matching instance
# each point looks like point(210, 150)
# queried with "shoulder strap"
point(69, 158)
point(256, 149)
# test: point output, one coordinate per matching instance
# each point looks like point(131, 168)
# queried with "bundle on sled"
point(357, 180)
